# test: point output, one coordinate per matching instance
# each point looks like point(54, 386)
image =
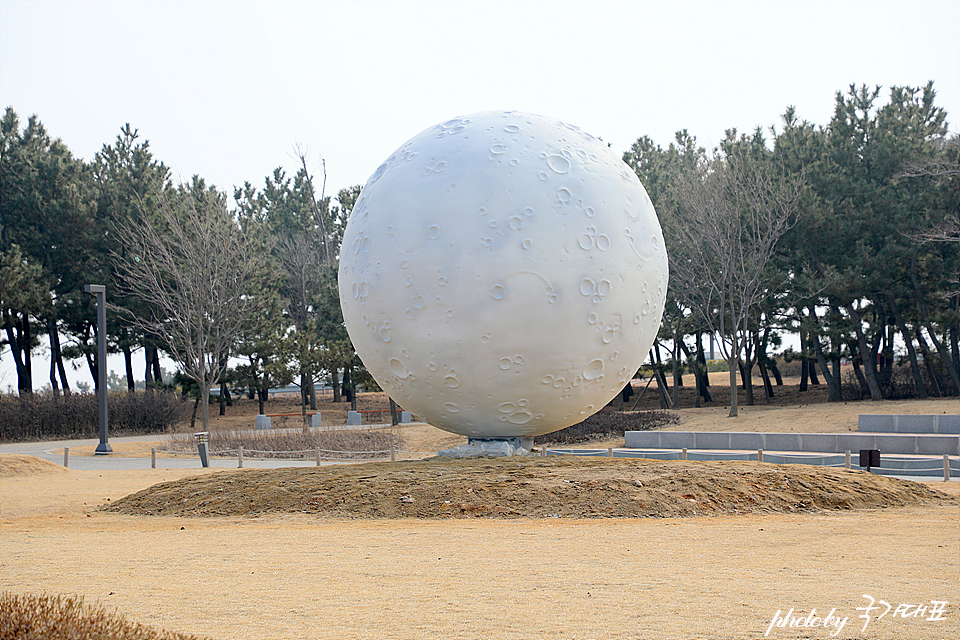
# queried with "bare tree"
point(732, 208)
point(199, 273)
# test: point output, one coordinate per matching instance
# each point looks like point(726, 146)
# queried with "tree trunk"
point(193, 417)
point(312, 390)
point(869, 368)
point(64, 384)
point(814, 379)
point(838, 372)
point(775, 370)
point(767, 385)
point(733, 364)
point(147, 367)
point(948, 362)
point(352, 387)
point(804, 363)
point(918, 384)
point(56, 357)
point(92, 358)
point(394, 418)
point(675, 364)
point(303, 396)
point(928, 362)
point(205, 405)
point(703, 371)
point(746, 370)
point(335, 378)
point(661, 383)
point(955, 335)
point(157, 371)
point(762, 361)
point(833, 385)
point(54, 385)
point(27, 336)
point(51, 333)
point(21, 353)
point(259, 401)
point(128, 365)
point(858, 372)
point(699, 370)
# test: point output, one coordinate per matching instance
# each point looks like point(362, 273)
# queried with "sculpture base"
point(103, 449)
point(490, 448)
point(518, 442)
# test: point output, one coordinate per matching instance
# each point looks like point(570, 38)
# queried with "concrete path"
point(52, 450)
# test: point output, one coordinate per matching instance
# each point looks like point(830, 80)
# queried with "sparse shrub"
point(606, 426)
point(153, 412)
point(897, 382)
point(45, 416)
point(46, 617)
point(791, 364)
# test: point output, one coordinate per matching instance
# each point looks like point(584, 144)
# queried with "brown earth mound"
point(526, 487)
point(15, 464)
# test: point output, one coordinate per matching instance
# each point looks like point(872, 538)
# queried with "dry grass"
point(57, 617)
point(15, 464)
point(295, 443)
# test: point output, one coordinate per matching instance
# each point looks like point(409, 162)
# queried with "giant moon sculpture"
point(503, 275)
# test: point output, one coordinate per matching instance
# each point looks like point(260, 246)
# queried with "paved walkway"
point(52, 450)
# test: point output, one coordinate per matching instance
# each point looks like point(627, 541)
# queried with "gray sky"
point(226, 89)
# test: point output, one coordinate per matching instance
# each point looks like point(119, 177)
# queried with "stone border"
point(936, 424)
point(915, 444)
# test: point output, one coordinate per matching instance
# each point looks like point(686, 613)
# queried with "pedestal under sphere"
point(503, 274)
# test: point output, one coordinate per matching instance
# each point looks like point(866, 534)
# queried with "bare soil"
point(532, 487)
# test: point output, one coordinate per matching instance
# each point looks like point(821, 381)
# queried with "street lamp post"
point(101, 292)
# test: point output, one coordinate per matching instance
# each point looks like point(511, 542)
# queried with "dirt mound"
point(526, 487)
point(16, 464)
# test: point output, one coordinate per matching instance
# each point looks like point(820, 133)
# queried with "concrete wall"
point(889, 464)
point(926, 444)
point(939, 424)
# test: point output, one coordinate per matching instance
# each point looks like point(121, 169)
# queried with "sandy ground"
point(301, 576)
point(283, 576)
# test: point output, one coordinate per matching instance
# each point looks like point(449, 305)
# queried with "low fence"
point(926, 466)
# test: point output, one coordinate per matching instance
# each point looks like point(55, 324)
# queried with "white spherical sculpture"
point(502, 275)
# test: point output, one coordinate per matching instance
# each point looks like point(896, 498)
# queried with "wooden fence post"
point(153, 457)
point(66, 456)
point(240, 457)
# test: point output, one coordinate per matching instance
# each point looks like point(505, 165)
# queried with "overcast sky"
point(226, 89)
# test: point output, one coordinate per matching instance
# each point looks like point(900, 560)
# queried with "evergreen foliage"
point(861, 259)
